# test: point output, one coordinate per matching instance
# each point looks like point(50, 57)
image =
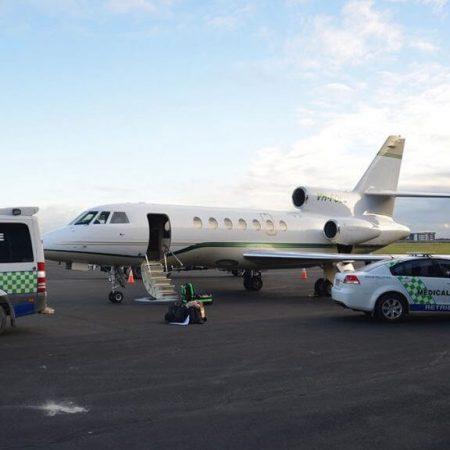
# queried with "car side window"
point(15, 243)
point(445, 267)
point(417, 268)
point(119, 217)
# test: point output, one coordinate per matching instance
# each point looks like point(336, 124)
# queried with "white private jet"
point(328, 227)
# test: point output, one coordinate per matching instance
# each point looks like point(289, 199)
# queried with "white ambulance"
point(23, 287)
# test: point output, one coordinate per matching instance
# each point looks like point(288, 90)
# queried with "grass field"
point(435, 248)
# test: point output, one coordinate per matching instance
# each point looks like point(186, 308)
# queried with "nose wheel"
point(115, 297)
point(116, 278)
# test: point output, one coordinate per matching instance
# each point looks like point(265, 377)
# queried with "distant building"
point(422, 236)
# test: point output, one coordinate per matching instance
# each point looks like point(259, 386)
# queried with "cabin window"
point(213, 224)
point(166, 232)
point(242, 224)
point(86, 218)
point(256, 225)
point(270, 226)
point(119, 217)
point(283, 225)
point(197, 222)
point(102, 218)
point(228, 223)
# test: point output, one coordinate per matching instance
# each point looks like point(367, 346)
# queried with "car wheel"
point(391, 308)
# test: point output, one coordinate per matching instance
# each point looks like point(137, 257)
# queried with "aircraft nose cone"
point(48, 239)
point(53, 245)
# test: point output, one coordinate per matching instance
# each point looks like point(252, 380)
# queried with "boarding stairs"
point(157, 283)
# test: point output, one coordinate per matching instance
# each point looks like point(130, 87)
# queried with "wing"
point(282, 260)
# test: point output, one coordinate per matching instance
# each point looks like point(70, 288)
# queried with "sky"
point(220, 102)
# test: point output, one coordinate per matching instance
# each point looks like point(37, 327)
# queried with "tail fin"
point(382, 175)
point(384, 171)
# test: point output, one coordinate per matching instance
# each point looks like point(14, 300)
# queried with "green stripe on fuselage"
point(264, 245)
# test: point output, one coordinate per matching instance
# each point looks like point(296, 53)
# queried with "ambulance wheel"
point(3, 319)
point(115, 297)
point(391, 307)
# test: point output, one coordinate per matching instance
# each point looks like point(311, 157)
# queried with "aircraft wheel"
point(256, 283)
point(327, 288)
point(253, 283)
point(322, 287)
point(115, 297)
point(319, 287)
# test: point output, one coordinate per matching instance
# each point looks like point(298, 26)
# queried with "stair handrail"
point(168, 252)
point(149, 267)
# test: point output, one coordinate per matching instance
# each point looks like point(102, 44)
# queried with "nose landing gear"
point(116, 278)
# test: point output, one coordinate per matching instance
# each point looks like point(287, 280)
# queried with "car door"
point(423, 280)
point(442, 285)
point(18, 268)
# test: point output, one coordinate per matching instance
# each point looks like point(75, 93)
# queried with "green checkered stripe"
point(18, 282)
point(413, 286)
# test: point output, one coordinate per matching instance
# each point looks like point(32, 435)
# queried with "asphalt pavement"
point(275, 369)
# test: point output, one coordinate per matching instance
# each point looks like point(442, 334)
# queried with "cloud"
point(339, 144)
point(359, 34)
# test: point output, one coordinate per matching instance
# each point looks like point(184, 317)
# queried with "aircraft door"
point(159, 236)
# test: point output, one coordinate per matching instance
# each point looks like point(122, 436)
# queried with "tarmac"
point(275, 369)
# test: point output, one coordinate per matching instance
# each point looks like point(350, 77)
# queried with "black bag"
point(177, 313)
point(195, 315)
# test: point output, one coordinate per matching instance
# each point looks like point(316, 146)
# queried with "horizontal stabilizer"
point(388, 193)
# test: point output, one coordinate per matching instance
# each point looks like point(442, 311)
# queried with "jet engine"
point(326, 201)
point(350, 231)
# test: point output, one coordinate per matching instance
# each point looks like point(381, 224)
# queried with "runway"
point(275, 369)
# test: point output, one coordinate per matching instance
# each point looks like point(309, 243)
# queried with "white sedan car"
point(392, 288)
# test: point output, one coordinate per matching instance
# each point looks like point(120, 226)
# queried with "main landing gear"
point(252, 280)
point(322, 287)
point(116, 278)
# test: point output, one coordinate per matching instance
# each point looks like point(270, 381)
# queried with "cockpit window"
point(86, 218)
point(119, 217)
point(102, 218)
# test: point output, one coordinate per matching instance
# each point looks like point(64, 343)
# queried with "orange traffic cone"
point(304, 275)
point(131, 277)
